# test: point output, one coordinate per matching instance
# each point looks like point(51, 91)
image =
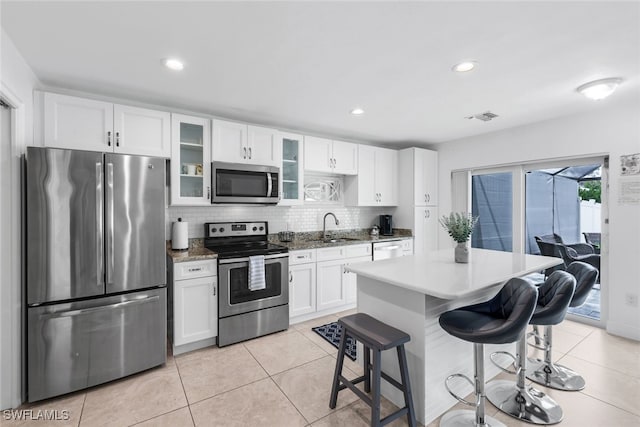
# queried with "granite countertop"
point(309, 240)
point(313, 240)
point(196, 252)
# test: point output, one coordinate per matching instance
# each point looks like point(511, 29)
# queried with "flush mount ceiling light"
point(463, 67)
point(357, 111)
point(172, 63)
point(599, 89)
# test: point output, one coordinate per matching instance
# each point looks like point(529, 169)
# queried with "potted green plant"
point(460, 225)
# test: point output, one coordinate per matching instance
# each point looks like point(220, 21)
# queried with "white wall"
point(607, 129)
point(17, 84)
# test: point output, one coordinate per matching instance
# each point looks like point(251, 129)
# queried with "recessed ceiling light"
point(172, 63)
point(357, 111)
point(599, 89)
point(463, 67)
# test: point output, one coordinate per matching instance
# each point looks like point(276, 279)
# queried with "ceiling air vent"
point(485, 117)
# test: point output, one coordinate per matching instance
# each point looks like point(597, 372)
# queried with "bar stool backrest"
point(586, 276)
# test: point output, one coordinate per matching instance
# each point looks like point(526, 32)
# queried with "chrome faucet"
point(324, 223)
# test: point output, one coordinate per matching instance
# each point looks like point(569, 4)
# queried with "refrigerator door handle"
point(99, 225)
point(110, 214)
point(79, 312)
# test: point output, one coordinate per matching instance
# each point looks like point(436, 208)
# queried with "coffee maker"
point(386, 226)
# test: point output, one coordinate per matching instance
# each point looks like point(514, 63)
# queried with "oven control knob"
point(213, 230)
point(221, 229)
point(261, 228)
point(255, 228)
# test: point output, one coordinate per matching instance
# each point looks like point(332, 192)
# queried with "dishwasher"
point(387, 249)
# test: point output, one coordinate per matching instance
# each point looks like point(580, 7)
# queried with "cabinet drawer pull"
point(244, 156)
point(109, 138)
point(193, 269)
point(428, 197)
point(214, 290)
point(301, 256)
point(290, 277)
point(249, 152)
point(117, 139)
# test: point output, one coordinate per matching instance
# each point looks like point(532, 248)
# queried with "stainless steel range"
point(246, 311)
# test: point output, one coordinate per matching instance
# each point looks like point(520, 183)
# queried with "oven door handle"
point(246, 259)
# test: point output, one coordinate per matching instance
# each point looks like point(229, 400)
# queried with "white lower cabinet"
point(318, 282)
point(195, 305)
point(331, 280)
point(302, 289)
point(351, 281)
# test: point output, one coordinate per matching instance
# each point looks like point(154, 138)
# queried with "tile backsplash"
point(296, 218)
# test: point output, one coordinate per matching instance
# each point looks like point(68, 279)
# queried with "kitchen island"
point(411, 292)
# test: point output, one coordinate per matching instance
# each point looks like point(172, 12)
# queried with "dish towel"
point(257, 280)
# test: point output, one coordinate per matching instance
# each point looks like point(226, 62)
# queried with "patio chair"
point(566, 252)
point(593, 239)
point(580, 248)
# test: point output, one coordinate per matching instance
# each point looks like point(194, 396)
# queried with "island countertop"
point(437, 274)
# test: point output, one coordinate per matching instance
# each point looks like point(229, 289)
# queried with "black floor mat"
point(332, 332)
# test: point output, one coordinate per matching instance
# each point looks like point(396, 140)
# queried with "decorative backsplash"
point(298, 218)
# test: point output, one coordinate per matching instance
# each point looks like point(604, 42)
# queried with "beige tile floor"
point(284, 380)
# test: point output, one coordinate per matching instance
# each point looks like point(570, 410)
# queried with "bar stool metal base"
point(527, 404)
point(554, 376)
point(466, 418)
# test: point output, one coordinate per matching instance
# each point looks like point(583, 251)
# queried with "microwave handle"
point(269, 184)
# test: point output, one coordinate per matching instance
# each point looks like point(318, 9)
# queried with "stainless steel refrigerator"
point(96, 259)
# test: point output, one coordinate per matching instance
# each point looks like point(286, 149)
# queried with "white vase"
point(461, 252)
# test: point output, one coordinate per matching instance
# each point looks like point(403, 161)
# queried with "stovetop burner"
point(240, 239)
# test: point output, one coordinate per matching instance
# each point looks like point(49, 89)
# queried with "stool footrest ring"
point(504, 353)
point(455, 396)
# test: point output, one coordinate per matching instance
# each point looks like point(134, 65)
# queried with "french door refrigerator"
point(95, 268)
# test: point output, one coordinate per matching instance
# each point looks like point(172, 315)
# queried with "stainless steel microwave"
point(241, 183)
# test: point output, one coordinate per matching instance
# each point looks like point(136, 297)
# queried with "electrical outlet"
point(631, 300)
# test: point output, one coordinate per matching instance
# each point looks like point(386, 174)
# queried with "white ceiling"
point(305, 65)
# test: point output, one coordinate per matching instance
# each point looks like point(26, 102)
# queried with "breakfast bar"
point(411, 292)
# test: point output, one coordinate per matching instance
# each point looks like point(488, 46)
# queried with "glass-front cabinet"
point(292, 170)
point(190, 160)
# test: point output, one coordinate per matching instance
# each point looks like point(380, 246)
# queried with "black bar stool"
point(514, 398)
point(546, 372)
point(375, 336)
point(501, 320)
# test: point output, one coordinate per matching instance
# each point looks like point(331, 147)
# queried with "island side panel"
point(405, 310)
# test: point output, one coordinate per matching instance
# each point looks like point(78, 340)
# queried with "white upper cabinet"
point(86, 124)
point(292, 176)
point(141, 131)
point(325, 155)
point(376, 183)
point(190, 160)
point(240, 143)
point(426, 177)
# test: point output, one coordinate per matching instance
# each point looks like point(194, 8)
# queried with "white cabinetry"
point(302, 282)
point(194, 289)
point(418, 197)
point(85, 124)
point(318, 282)
point(328, 156)
point(291, 178)
point(377, 181)
point(425, 229)
point(240, 143)
point(334, 284)
point(191, 160)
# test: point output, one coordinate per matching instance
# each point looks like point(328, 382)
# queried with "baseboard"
point(624, 330)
